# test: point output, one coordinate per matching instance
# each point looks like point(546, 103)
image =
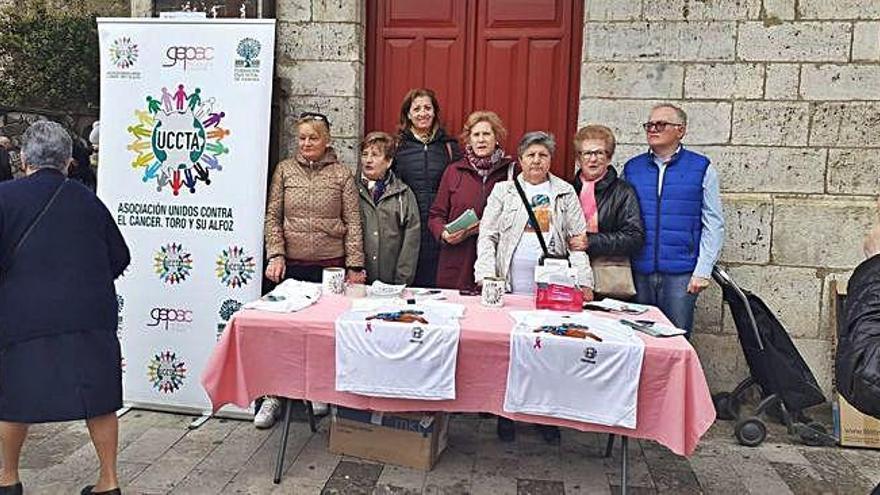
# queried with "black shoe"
point(506, 430)
point(550, 434)
point(88, 491)
point(16, 489)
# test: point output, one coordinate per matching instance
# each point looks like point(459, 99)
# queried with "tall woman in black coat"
point(614, 227)
point(60, 252)
point(422, 156)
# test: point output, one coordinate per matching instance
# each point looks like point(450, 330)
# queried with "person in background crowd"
point(466, 184)
point(81, 168)
point(59, 249)
point(389, 213)
point(424, 152)
point(680, 201)
point(508, 246)
point(5, 160)
point(312, 222)
point(611, 208)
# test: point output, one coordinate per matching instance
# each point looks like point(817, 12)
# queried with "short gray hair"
point(682, 116)
point(46, 144)
point(545, 139)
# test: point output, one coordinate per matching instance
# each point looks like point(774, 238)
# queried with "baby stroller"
point(787, 386)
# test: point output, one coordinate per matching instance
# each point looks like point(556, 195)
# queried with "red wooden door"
point(518, 58)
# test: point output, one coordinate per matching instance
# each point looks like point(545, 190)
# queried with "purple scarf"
point(483, 165)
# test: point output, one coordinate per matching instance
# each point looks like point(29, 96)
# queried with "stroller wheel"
point(726, 406)
point(750, 432)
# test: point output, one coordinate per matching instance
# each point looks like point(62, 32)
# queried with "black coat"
point(858, 347)
point(5, 165)
point(61, 279)
point(621, 232)
point(421, 166)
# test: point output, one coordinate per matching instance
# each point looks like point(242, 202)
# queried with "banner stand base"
point(120, 413)
point(199, 421)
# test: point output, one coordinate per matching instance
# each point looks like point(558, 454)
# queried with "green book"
point(465, 220)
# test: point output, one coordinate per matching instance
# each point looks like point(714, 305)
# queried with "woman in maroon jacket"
point(467, 183)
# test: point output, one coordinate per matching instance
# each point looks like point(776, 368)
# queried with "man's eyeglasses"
point(659, 126)
point(592, 154)
point(315, 116)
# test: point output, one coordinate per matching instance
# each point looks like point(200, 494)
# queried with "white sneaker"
point(268, 413)
point(320, 408)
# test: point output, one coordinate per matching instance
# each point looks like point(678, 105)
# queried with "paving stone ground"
point(159, 455)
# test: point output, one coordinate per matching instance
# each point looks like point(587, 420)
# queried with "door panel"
point(519, 58)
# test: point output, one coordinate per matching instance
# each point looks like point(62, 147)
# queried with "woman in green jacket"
point(389, 214)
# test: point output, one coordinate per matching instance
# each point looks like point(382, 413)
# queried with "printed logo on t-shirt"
point(418, 333)
point(590, 354)
point(541, 207)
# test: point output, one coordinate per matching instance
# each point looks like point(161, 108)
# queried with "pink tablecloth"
point(293, 355)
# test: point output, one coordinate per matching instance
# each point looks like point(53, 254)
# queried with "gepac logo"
point(172, 263)
point(235, 267)
point(178, 139)
point(248, 49)
point(166, 372)
point(166, 316)
point(228, 308)
point(188, 56)
point(123, 53)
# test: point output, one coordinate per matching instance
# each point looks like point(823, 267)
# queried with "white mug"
point(493, 292)
point(333, 280)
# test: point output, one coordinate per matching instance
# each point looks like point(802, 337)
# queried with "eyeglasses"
point(592, 154)
point(315, 116)
point(659, 125)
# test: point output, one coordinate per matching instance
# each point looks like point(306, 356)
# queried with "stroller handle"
point(724, 280)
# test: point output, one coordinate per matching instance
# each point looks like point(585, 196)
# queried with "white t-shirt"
point(393, 359)
point(576, 379)
point(528, 251)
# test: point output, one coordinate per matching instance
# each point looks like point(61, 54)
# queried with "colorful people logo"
point(228, 308)
point(123, 53)
point(172, 263)
point(178, 139)
point(235, 267)
point(166, 372)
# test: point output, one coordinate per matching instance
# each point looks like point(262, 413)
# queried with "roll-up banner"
point(182, 165)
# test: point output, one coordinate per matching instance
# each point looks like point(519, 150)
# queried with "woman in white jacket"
point(508, 245)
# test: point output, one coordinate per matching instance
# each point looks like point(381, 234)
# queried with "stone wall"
point(784, 97)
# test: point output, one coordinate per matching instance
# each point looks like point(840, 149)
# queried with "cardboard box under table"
point(406, 439)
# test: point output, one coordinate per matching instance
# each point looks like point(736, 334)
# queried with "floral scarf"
point(483, 165)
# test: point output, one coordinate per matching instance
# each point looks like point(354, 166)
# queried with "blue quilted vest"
point(672, 222)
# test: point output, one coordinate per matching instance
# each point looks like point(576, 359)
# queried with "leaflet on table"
point(616, 306)
point(402, 351)
point(588, 379)
point(464, 221)
point(289, 296)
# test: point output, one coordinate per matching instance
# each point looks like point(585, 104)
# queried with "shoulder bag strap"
point(12, 252)
point(532, 219)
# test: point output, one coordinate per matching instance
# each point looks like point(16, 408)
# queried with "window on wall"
point(218, 8)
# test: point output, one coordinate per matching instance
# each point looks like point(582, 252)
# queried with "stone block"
point(822, 232)
point(782, 82)
point(345, 113)
point(687, 10)
point(817, 354)
point(840, 82)
point(778, 10)
point(794, 41)
point(708, 122)
point(314, 78)
point(724, 81)
point(791, 293)
point(338, 11)
point(866, 42)
point(318, 41)
point(747, 220)
point(722, 360)
point(635, 80)
point(293, 10)
point(624, 152)
point(834, 283)
point(141, 8)
point(762, 169)
point(855, 124)
point(839, 9)
point(708, 312)
point(770, 123)
point(853, 171)
point(612, 10)
point(663, 41)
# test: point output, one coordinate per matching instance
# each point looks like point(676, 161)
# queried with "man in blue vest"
point(681, 209)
